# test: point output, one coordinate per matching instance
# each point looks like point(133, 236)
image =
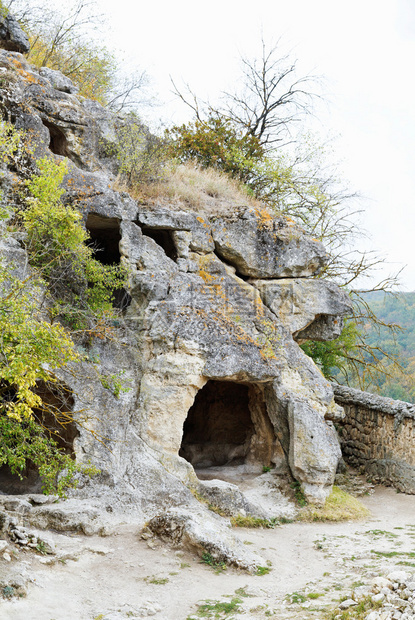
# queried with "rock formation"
point(207, 344)
point(12, 37)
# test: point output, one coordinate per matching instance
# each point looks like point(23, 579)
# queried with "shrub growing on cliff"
point(32, 348)
point(141, 155)
point(81, 288)
point(215, 142)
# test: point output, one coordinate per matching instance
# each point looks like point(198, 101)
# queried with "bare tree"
point(270, 102)
point(272, 97)
point(290, 173)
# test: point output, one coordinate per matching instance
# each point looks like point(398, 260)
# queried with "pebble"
point(396, 593)
point(347, 603)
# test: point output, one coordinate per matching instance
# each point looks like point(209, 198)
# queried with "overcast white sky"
point(364, 48)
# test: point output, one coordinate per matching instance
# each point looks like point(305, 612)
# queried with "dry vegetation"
point(190, 187)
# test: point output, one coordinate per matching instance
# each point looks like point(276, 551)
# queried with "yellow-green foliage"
point(31, 347)
point(339, 506)
point(216, 142)
point(9, 141)
point(59, 40)
point(141, 154)
point(81, 287)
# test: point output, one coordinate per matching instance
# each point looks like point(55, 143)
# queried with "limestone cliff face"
point(207, 344)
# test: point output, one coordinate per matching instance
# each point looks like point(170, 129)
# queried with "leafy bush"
point(81, 288)
point(32, 348)
point(26, 441)
point(141, 155)
point(333, 357)
point(89, 66)
point(217, 144)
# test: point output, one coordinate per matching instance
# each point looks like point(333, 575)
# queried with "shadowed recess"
point(105, 237)
point(163, 237)
point(227, 425)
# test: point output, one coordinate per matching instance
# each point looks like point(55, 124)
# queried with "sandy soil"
point(124, 577)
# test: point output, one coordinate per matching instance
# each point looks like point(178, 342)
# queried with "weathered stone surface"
point(312, 309)
point(12, 37)
point(45, 104)
point(262, 246)
point(378, 436)
point(204, 533)
point(15, 504)
point(4, 522)
point(314, 450)
point(58, 80)
point(193, 328)
point(70, 516)
point(228, 498)
point(199, 237)
point(348, 395)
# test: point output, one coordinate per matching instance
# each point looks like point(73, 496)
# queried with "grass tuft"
point(218, 609)
point(339, 506)
point(254, 522)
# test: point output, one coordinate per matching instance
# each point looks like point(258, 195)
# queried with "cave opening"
point(163, 237)
point(228, 425)
point(105, 236)
point(56, 418)
point(58, 143)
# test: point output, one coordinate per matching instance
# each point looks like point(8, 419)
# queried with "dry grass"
point(189, 187)
point(339, 506)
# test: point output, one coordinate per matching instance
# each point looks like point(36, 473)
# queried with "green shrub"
point(31, 347)
point(216, 143)
point(81, 288)
point(141, 154)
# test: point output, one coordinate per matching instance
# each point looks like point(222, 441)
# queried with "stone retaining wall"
point(378, 436)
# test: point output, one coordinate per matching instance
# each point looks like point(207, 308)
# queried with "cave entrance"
point(58, 143)
point(228, 425)
point(105, 237)
point(57, 420)
point(163, 237)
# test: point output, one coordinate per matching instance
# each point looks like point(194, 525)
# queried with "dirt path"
point(123, 577)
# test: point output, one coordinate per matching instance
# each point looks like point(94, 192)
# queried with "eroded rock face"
point(204, 535)
point(312, 309)
point(262, 246)
point(12, 37)
point(193, 319)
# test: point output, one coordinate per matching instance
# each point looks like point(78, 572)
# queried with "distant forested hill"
point(400, 310)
